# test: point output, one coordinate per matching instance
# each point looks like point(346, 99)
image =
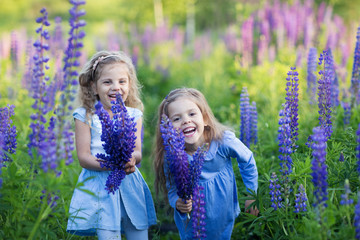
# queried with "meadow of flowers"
point(286, 79)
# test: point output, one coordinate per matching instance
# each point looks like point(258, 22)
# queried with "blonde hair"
point(92, 71)
point(213, 131)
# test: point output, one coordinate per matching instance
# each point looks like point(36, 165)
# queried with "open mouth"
point(188, 132)
point(112, 97)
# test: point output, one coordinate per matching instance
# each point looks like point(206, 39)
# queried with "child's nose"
point(116, 86)
point(186, 120)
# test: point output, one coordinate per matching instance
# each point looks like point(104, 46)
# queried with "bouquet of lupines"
point(184, 173)
point(119, 138)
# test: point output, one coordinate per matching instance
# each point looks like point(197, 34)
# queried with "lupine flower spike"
point(245, 117)
point(285, 143)
point(358, 148)
point(292, 100)
point(254, 123)
point(355, 76)
point(324, 93)
point(185, 174)
point(300, 200)
point(319, 166)
point(345, 200)
point(357, 218)
point(119, 138)
point(8, 134)
point(67, 87)
point(311, 77)
point(275, 194)
point(42, 139)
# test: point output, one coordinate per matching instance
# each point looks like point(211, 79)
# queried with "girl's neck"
point(192, 148)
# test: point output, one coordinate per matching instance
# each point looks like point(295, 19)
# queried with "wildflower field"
point(285, 76)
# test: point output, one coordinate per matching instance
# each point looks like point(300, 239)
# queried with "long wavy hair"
point(91, 73)
point(213, 131)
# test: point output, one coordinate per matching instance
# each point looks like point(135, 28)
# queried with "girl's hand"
point(183, 207)
point(130, 166)
point(253, 210)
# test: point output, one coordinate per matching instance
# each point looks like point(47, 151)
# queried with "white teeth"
point(189, 130)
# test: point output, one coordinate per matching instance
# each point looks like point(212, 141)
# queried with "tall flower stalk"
point(300, 200)
point(8, 135)
point(254, 123)
point(248, 119)
point(245, 118)
point(288, 130)
point(42, 135)
point(275, 193)
point(119, 138)
point(355, 76)
point(311, 76)
point(319, 167)
point(358, 148)
point(324, 92)
point(65, 142)
point(185, 173)
point(292, 100)
point(357, 218)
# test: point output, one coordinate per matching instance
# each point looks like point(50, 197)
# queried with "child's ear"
point(206, 120)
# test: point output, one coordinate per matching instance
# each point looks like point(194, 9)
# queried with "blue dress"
point(101, 210)
point(218, 180)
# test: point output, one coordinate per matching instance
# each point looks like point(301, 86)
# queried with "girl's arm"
point(247, 166)
point(136, 155)
point(83, 141)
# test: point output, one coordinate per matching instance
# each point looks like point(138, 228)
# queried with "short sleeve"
point(135, 113)
point(80, 114)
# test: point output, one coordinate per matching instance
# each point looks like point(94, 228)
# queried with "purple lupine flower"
point(177, 160)
point(2, 144)
point(184, 173)
point(347, 112)
point(357, 218)
point(358, 148)
point(300, 200)
point(311, 77)
point(247, 30)
point(119, 138)
point(245, 117)
point(285, 142)
point(65, 141)
point(48, 149)
point(198, 214)
point(292, 99)
point(42, 138)
point(341, 158)
point(254, 123)
point(8, 134)
point(72, 52)
point(51, 198)
point(275, 194)
point(14, 51)
point(345, 197)
point(324, 93)
point(355, 76)
point(319, 166)
point(333, 79)
point(27, 76)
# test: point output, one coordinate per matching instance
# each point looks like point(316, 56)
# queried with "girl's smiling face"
point(114, 79)
point(186, 116)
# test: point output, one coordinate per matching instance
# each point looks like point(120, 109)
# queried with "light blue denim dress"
point(102, 210)
point(218, 180)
